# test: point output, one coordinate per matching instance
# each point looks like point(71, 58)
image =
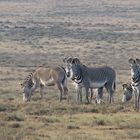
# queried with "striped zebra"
point(89, 78)
point(135, 79)
point(43, 77)
point(127, 92)
point(27, 85)
point(95, 94)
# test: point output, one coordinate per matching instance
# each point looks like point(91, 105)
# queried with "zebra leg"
point(65, 89)
point(109, 100)
point(138, 100)
point(110, 91)
point(61, 91)
point(32, 90)
point(41, 91)
point(99, 95)
point(91, 95)
point(135, 102)
point(138, 97)
point(79, 93)
point(87, 94)
point(135, 97)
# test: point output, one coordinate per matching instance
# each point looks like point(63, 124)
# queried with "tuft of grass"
point(7, 107)
point(118, 108)
point(14, 117)
point(2, 123)
point(15, 125)
point(133, 135)
point(50, 119)
point(100, 122)
point(3, 108)
point(35, 110)
point(72, 126)
point(94, 110)
point(129, 126)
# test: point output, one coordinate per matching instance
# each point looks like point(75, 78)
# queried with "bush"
point(73, 127)
point(100, 122)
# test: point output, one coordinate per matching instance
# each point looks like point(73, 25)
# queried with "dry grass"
point(99, 33)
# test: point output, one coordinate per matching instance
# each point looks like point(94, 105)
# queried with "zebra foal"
point(89, 78)
point(43, 77)
point(127, 92)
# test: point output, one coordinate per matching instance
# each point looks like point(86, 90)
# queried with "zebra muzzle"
point(68, 74)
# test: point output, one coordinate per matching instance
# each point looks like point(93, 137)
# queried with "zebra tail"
point(114, 86)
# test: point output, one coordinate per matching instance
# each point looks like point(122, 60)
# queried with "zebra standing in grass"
point(98, 93)
point(42, 77)
point(135, 78)
point(89, 78)
point(27, 85)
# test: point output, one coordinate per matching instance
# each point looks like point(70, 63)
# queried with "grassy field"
point(32, 32)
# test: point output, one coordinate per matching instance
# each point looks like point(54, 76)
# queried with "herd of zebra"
point(85, 77)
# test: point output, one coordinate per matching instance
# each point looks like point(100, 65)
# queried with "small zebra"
point(42, 77)
point(95, 94)
point(135, 79)
point(127, 92)
point(89, 78)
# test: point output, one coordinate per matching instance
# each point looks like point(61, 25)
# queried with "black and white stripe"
point(135, 77)
point(90, 78)
point(28, 80)
point(76, 75)
point(127, 92)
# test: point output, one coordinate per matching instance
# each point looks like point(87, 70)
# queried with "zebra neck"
point(30, 83)
point(136, 80)
point(78, 80)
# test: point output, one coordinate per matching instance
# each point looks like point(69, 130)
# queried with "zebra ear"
point(138, 60)
point(76, 60)
point(64, 59)
point(21, 84)
point(73, 61)
point(132, 61)
point(70, 60)
point(124, 85)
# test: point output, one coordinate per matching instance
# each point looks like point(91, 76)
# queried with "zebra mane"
point(28, 78)
point(129, 87)
point(136, 76)
point(62, 68)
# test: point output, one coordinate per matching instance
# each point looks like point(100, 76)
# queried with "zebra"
point(127, 92)
point(89, 78)
point(42, 77)
point(135, 79)
point(98, 93)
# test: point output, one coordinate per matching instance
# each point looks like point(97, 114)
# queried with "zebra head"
point(127, 92)
point(69, 61)
point(138, 61)
point(26, 86)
